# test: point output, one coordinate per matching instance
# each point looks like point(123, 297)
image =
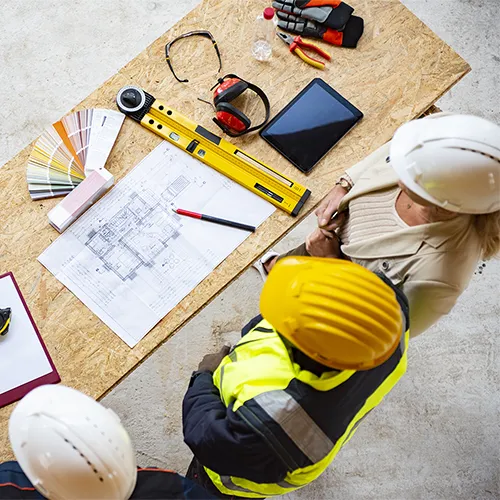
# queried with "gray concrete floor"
point(437, 435)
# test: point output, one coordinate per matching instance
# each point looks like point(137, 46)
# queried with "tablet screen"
point(311, 124)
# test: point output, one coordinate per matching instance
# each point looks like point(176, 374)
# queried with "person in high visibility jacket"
point(270, 415)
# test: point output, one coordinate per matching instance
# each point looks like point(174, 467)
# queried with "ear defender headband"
point(228, 117)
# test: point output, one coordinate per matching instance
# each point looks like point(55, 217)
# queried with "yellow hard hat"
point(334, 311)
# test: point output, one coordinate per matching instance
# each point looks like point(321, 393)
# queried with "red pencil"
point(215, 220)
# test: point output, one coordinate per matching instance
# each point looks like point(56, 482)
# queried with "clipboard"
point(24, 360)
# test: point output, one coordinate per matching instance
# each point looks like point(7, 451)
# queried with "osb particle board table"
point(398, 71)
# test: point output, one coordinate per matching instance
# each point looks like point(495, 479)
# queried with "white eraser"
point(80, 199)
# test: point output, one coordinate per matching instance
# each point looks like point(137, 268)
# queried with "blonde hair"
point(488, 230)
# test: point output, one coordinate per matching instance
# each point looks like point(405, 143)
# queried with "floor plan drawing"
point(136, 235)
point(130, 258)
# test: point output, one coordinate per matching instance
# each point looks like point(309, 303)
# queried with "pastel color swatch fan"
point(68, 151)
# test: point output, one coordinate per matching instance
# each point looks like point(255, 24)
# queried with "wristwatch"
point(344, 183)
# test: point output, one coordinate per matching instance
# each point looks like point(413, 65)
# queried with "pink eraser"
point(80, 199)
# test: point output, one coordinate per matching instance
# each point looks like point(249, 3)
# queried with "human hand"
point(321, 243)
point(328, 207)
point(210, 362)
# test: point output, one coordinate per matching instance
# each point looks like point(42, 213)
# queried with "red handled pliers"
point(297, 44)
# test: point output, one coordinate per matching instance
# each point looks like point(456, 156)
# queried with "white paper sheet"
point(22, 358)
point(131, 259)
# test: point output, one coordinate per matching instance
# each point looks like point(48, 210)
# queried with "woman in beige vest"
point(423, 209)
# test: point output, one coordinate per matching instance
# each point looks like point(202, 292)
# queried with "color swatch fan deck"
point(70, 150)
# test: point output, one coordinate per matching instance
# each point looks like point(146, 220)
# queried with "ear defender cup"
point(228, 117)
point(229, 90)
point(232, 117)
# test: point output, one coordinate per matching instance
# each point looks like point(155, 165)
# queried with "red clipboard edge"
point(50, 378)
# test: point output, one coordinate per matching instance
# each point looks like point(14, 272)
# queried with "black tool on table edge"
point(5, 317)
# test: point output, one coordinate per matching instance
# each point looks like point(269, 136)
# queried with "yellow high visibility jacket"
point(305, 418)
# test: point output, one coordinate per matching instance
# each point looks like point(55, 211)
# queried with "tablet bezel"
point(358, 115)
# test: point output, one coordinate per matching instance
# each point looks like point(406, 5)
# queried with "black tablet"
point(309, 126)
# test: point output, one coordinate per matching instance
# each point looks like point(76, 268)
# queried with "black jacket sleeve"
point(221, 440)
point(14, 484)
point(153, 484)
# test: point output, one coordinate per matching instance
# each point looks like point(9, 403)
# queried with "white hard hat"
point(71, 447)
point(452, 161)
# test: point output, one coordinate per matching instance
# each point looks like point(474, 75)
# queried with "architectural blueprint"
point(131, 259)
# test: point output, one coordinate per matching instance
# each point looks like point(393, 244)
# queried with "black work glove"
point(349, 37)
point(210, 362)
point(331, 13)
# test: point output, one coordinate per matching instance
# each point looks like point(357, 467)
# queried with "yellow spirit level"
point(212, 150)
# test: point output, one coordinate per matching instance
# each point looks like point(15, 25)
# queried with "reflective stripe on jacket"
point(304, 418)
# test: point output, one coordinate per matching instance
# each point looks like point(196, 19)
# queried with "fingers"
point(322, 243)
point(309, 246)
point(321, 207)
point(225, 349)
point(317, 234)
point(317, 237)
point(334, 223)
point(329, 235)
point(328, 212)
point(270, 264)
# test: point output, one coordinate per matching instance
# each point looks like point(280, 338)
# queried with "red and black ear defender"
point(228, 117)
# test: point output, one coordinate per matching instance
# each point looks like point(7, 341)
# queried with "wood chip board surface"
point(398, 71)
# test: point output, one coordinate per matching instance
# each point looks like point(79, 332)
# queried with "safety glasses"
point(202, 33)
